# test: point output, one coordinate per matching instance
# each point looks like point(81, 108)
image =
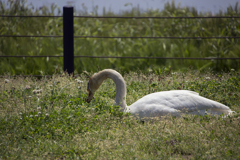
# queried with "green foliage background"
point(118, 47)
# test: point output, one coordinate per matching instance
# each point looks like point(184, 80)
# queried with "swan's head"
point(90, 94)
point(93, 85)
point(95, 82)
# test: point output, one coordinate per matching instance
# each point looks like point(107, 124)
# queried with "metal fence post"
point(68, 46)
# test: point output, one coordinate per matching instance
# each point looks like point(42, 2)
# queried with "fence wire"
point(123, 17)
point(127, 57)
point(132, 37)
point(31, 36)
point(104, 37)
point(148, 17)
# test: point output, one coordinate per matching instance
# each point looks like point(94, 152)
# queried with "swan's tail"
point(226, 112)
point(230, 112)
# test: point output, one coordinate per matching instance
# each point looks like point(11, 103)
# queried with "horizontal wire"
point(20, 56)
point(19, 16)
point(196, 58)
point(59, 36)
point(210, 58)
point(26, 76)
point(7, 76)
point(132, 17)
point(162, 17)
point(213, 37)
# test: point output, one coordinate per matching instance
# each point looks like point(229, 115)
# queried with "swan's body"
point(157, 104)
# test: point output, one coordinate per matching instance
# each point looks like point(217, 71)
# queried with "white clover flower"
point(31, 116)
point(6, 81)
point(39, 91)
point(232, 70)
point(28, 87)
point(39, 112)
point(36, 115)
point(47, 114)
point(79, 87)
point(207, 78)
point(38, 108)
point(20, 113)
point(78, 81)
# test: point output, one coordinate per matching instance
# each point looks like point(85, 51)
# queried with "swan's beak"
point(90, 97)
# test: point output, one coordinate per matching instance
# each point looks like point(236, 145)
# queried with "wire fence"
point(147, 17)
point(126, 57)
point(198, 38)
point(132, 37)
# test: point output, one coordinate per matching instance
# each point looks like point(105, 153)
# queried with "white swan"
point(157, 104)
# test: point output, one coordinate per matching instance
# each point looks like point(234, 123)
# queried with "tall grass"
point(48, 118)
point(118, 47)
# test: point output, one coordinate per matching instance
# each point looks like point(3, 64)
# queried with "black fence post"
point(68, 46)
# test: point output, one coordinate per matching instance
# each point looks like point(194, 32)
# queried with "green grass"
point(55, 122)
point(200, 48)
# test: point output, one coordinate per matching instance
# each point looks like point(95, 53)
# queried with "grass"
point(187, 48)
point(48, 118)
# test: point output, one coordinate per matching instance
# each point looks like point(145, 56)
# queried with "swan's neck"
point(120, 85)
